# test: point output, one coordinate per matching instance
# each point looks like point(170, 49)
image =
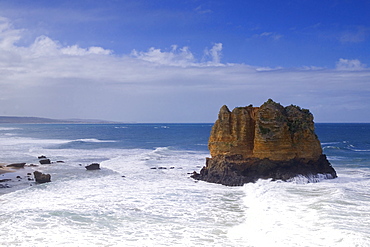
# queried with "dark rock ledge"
point(236, 171)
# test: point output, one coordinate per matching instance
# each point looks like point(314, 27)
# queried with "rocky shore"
point(266, 142)
point(16, 176)
point(13, 178)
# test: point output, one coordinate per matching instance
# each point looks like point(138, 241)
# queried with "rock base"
point(235, 170)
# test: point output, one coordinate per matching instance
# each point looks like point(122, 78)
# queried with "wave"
point(290, 214)
point(336, 158)
point(92, 140)
point(161, 127)
point(331, 147)
point(9, 141)
point(361, 150)
point(348, 147)
point(329, 143)
point(310, 179)
point(8, 128)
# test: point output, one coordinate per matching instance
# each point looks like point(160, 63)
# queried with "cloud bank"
point(48, 79)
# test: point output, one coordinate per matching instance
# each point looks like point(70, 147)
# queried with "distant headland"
point(270, 141)
point(39, 120)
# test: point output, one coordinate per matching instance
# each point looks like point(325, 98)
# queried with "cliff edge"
point(270, 141)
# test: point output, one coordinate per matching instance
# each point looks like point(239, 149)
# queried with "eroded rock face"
point(270, 141)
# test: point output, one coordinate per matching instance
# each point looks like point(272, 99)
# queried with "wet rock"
point(17, 165)
point(93, 166)
point(43, 160)
point(4, 186)
point(41, 177)
point(5, 180)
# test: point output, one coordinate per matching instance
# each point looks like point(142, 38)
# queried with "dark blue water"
point(346, 144)
point(128, 136)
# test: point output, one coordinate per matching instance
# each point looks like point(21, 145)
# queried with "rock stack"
point(270, 141)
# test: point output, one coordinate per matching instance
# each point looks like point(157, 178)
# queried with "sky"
point(168, 61)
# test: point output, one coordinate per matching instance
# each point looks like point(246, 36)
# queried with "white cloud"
point(215, 53)
point(201, 10)
point(175, 57)
point(347, 64)
point(272, 35)
point(44, 46)
point(8, 35)
point(355, 35)
point(181, 57)
point(51, 80)
point(75, 50)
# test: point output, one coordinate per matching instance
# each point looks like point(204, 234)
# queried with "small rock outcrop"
point(43, 160)
point(17, 165)
point(270, 141)
point(41, 177)
point(93, 166)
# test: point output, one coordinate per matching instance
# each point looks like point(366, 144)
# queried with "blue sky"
point(180, 61)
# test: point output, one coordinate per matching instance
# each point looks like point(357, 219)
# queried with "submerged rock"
point(41, 177)
point(270, 141)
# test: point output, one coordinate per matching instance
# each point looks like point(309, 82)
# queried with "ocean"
point(144, 196)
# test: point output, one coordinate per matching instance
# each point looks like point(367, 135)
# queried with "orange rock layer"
point(269, 131)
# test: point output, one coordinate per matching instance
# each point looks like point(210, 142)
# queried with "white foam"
point(331, 147)
point(329, 213)
point(162, 127)
point(101, 208)
point(13, 141)
point(329, 143)
point(300, 179)
point(8, 128)
point(93, 140)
